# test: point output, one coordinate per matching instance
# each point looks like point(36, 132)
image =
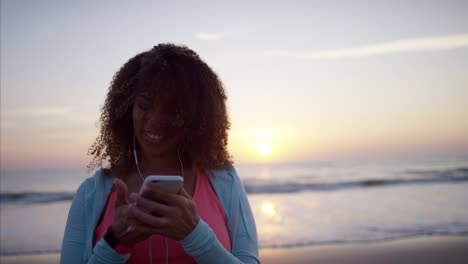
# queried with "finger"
point(155, 193)
point(133, 197)
point(184, 193)
point(153, 207)
point(122, 191)
point(148, 219)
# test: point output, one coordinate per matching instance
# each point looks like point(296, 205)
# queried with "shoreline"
point(420, 249)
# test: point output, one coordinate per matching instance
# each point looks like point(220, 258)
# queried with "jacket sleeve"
point(74, 239)
point(204, 247)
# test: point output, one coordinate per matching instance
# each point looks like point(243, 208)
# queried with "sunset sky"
point(306, 80)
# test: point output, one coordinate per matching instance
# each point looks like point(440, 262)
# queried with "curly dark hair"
point(170, 74)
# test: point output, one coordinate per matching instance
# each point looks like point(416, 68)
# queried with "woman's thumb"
point(122, 192)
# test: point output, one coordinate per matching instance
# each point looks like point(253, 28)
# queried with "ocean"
point(294, 204)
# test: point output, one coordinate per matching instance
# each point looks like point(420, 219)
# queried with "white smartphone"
point(169, 183)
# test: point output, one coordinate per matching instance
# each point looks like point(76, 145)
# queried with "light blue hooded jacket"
point(90, 201)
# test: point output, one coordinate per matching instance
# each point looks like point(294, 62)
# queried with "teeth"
point(154, 136)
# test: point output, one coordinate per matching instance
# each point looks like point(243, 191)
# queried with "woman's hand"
point(125, 228)
point(171, 215)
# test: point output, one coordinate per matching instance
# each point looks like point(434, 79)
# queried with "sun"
point(264, 148)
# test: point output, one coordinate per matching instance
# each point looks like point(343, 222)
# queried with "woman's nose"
point(157, 118)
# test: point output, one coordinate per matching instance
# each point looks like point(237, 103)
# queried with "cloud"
point(391, 47)
point(209, 36)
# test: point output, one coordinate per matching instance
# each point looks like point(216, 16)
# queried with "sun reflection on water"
point(268, 209)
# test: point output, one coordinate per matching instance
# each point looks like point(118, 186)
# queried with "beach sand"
point(434, 249)
point(425, 249)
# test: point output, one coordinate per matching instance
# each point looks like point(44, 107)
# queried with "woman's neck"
point(160, 165)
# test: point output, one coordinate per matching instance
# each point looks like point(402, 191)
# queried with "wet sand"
point(424, 249)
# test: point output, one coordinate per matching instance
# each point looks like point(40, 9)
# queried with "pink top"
point(209, 209)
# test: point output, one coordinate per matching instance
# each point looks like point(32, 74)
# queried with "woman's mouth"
point(152, 136)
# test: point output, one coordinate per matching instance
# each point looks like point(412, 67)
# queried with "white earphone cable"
point(143, 179)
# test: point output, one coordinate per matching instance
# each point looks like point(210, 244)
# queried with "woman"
point(164, 114)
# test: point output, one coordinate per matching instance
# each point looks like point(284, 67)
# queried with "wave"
point(449, 173)
point(416, 177)
point(256, 186)
point(35, 197)
point(361, 240)
point(379, 234)
point(29, 252)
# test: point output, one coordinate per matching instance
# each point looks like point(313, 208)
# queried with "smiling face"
point(156, 126)
point(141, 104)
